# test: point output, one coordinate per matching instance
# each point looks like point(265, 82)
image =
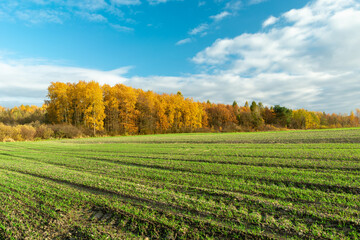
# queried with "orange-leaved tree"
point(94, 114)
point(59, 105)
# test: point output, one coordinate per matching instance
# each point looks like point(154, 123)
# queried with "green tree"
point(283, 115)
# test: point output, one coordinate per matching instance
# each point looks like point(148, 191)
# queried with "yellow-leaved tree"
point(76, 95)
point(94, 114)
point(126, 97)
point(162, 123)
point(111, 104)
point(145, 107)
point(58, 106)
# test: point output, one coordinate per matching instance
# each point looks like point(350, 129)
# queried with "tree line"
point(89, 108)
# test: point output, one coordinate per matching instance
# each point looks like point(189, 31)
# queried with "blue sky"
point(274, 51)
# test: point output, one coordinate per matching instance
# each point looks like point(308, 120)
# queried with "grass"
point(293, 185)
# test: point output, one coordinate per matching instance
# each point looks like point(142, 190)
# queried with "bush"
point(268, 127)
point(8, 132)
point(44, 132)
point(66, 131)
point(5, 132)
point(27, 132)
point(16, 133)
point(86, 131)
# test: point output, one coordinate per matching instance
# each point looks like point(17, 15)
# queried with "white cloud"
point(27, 83)
point(59, 11)
point(91, 5)
point(154, 2)
point(311, 60)
point(201, 3)
point(220, 16)
point(270, 21)
point(40, 16)
point(230, 9)
point(199, 29)
point(184, 41)
point(252, 2)
point(121, 28)
point(234, 5)
point(126, 2)
point(93, 17)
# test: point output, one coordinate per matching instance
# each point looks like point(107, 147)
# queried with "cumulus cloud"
point(310, 60)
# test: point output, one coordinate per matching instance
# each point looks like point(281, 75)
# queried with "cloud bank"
point(308, 59)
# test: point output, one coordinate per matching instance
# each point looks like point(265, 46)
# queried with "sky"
point(297, 53)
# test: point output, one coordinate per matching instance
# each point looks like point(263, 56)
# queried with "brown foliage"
point(66, 131)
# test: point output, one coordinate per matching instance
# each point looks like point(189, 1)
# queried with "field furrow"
point(274, 185)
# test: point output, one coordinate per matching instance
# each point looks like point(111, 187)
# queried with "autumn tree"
point(221, 117)
point(121, 109)
point(111, 105)
point(256, 119)
point(59, 105)
point(268, 115)
point(353, 120)
point(126, 97)
point(77, 95)
point(145, 107)
point(94, 114)
point(162, 123)
point(302, 119)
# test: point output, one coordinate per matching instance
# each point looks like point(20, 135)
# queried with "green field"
point(293, 184)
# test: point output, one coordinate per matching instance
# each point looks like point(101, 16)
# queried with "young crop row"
point(339, 181)
point(131, 171)
point(350, 135)
point(136, 192)
point(167, 187)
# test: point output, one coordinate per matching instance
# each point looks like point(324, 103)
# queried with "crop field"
point(269, 185)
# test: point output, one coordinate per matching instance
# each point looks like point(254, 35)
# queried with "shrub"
point(86, 131)
point(7, 139)
point(44, 132)
point(5, 131)
point(268, 127)
point(65, 131)
point(27, 132)
point(8, 132)
point(16, 133)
